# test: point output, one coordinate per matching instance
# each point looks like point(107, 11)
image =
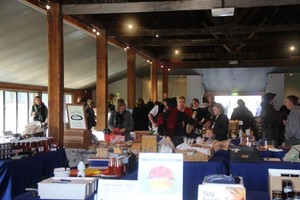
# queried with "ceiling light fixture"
point(223, 11)
point(94, 29)
point(292, 48)
point(44, 4)
point(130, 26)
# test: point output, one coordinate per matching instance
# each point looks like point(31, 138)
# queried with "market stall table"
point(255, 175)
point(16, 175)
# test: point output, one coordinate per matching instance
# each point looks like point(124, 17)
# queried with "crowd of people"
point(174, 118)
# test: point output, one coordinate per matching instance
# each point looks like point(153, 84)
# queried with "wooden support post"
point(165, 82)
point(101, 84)
point(153, 76)
point(56, 73)
point(130, 79)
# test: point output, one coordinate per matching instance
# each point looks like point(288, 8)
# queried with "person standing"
point(244, 114)
point(121, 119)
point(90, 114)
point(220, 122)
point(270, 119)
point(140, 116)
point(173, 122)
point(292, 124)
point(39, 111)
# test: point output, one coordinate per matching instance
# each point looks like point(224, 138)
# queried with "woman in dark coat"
point(220, 122)
point(140, 116)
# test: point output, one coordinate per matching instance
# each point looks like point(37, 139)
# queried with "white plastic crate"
point(67, 188)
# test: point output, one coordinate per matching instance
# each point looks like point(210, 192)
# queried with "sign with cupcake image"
point(160, 176)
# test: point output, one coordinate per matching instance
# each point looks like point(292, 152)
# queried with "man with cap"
point(270, 118)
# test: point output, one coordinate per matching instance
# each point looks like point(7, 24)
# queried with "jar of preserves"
point(277, 195)
point(287, 188)
point(297, 195)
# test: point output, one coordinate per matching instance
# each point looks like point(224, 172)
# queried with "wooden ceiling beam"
point(163, 6)
point(241, 64)
point(227, 56)
point(212, 42)
point(227, 29)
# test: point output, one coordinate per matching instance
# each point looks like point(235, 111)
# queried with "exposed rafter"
point(212, 42)
point(227, 29)
point(167, 6)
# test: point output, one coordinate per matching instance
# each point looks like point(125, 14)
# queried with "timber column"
point(153, 77)
point(165, 82)
point(55, 72)
point(130, 78)
point(101, 84)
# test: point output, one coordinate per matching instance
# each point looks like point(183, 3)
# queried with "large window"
point(230, 102)
point(15, 109)
point(10, 111)
point(22, 111)
point(1, 112)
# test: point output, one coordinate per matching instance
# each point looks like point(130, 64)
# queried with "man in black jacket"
point(270, 118)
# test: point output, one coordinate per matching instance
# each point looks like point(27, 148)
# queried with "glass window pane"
point(68, 98)
point(31, 96)
point(22, 111)
point(45, 99)
point(230, 102)
point(1, 113)
point(10, 112)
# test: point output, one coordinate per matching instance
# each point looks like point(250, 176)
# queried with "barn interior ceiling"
point(182, 35)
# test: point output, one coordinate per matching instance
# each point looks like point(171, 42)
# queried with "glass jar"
point(297, 195)
point(276, 195)
point(118, 167)
point(111, 166)
point(287, 188)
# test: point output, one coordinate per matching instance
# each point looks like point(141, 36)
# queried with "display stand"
point(77, 138)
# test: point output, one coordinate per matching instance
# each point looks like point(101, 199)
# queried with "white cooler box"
point(67, 188)
point(221, 187)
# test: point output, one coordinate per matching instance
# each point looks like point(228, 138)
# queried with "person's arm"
point(128, 121)
point(151, 115)
point(111, 125)
point(292, 124)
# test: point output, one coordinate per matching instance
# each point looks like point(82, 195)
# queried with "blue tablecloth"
point(194, 173)
point(255, 175)
point(33, 196)
point(16, 175)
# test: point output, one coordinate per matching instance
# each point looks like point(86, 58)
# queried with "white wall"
point(194, 88)
point(292, 85)
point(275, 85)
point(121, 88)
point(177, 87)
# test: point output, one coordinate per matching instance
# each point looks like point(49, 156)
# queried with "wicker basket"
point(193, 156)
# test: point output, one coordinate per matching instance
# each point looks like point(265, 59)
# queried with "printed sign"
point(76, 116)
point(160, 176)
point(116, 189)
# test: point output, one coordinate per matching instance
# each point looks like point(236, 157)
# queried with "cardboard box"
point(67, 188)
point(193, 155)
point(77, 138)
point(149, 143)
point(139, 135)
point(275, 179)
point(219, 191)
point(244, 154)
